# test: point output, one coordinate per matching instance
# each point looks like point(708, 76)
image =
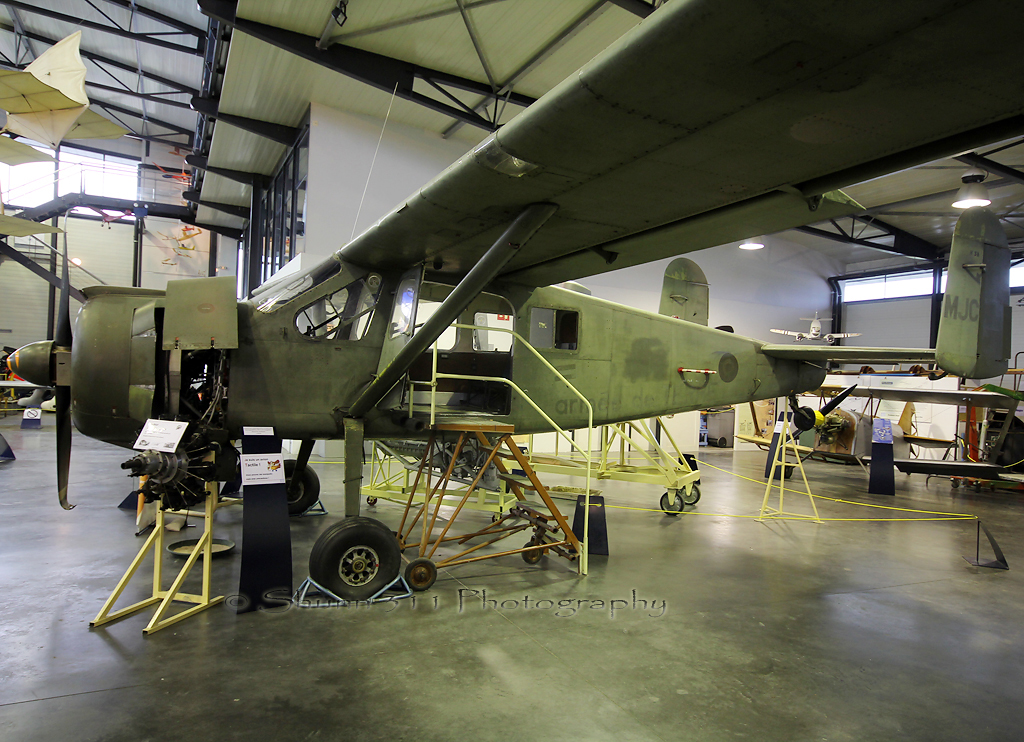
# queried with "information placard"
point(160, 435)
point(262, 468)
point(257, 431)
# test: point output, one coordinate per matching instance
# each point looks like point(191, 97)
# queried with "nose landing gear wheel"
point(674, 506)
point(355, 558)
point(421, 574)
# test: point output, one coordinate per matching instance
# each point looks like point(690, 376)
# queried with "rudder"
point(974, 330)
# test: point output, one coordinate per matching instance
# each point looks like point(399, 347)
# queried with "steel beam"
point(910, 249)
point(906, 243)
point(134, 7)
point(151, 97)
point(192, 197)
point(996, 168)
point(384, 73)
point(256, 180)
point(210, 107)
point(62, 204)
point(101, 59)
point(176, 128)
point(114, 30)
point(39, 270)
point(561, 38)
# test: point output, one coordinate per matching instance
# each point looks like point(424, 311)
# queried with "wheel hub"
point(358, 565)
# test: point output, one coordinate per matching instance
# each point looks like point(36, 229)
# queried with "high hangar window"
point(554, 328)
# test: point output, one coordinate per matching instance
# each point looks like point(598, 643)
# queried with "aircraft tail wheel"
point(532, 557)
point(693, 496)
point(420, 574)
point(355, 558)
point(673, 506)
point(307, 490)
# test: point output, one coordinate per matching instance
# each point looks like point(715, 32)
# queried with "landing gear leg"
point(353, 465)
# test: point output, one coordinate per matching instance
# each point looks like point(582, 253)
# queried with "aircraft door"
point(400, 330)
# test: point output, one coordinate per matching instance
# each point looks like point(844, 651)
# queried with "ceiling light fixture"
point(753, 243)
point(76, 261)
point(973, 192)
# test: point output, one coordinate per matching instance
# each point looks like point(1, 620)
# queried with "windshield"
point(276, 293)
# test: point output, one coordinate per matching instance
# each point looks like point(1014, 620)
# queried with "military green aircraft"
point(708, 123)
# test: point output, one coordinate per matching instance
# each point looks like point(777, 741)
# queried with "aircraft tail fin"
point(684, 292)
point(974, 330)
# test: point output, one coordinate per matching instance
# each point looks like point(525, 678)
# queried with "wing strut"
point(519, 232)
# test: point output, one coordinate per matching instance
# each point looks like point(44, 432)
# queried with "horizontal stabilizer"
point(846, 354)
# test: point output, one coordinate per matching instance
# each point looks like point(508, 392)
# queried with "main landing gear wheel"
point(355, 558)
point(307, 489)
point(674, 506)
point(532, 557)
point(693, 497)
point(420, 574)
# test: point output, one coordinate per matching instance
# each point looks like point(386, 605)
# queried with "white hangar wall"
point(752, 290)
point(341, 150)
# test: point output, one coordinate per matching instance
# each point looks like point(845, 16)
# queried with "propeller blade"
point(837, 400)
point(63, 340)
point(63, 405)
point(62, 336)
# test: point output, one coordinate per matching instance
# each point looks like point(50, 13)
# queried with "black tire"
point(693, 497)
point(371, 501)
point(355, 558)
point(672, 506)
point(420, 574)
point(307, 490)
point(532, 557)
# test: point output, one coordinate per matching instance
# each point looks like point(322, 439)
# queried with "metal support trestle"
point(155, 543)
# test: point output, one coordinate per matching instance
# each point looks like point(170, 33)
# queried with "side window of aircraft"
point(343, 315)
point(425, 311)
point(554, 328)
point(405, 307)
point(492, 340)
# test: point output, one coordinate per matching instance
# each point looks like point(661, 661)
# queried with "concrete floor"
point(781, 631)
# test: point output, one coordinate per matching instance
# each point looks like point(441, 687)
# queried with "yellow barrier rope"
point(849, 502)
point(941, 515)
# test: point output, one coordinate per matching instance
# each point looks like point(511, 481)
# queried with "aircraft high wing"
point(708, 123)
point(711, 122)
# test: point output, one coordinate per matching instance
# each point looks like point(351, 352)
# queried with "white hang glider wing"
point(13, 152)
point(47, 102)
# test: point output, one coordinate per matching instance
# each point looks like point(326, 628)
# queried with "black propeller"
point(62, 344)
point(805, 418)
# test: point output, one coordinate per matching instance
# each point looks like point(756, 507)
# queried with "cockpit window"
point(276, 293)
point(343, 315)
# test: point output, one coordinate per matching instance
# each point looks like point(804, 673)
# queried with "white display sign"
point(257, 431)
point(778, 424)
point(262, 468)
point(160, 435)
point(32, 413)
